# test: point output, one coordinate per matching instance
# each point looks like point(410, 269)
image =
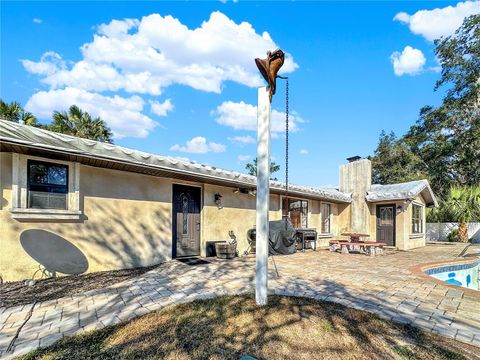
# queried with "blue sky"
point(178, 78)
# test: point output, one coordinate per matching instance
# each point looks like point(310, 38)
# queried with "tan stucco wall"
point(237, 215)
point(340, 221)
point(356, 178)
point(404, 239)
point(127, 222)
point(415, 240)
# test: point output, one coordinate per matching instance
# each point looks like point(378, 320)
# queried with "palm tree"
point(79, 123)
point(14, 112)
point(29, 119)
point(463, 204)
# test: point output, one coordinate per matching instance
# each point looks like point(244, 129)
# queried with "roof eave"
point(193, 175)
point(425, 191)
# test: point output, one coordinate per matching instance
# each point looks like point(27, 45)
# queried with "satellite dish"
point(53, 252)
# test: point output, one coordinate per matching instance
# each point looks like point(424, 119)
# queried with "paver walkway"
point(383, 285)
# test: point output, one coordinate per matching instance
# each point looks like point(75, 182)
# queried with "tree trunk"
point(463, 232)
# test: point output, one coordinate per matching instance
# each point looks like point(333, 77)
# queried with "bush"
point(453, 235)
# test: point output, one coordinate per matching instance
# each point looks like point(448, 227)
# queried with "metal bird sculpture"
point(269, 68)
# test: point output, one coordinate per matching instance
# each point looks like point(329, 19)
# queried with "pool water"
point(464, 275)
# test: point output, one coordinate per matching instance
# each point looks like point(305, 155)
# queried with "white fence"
point(440, 231)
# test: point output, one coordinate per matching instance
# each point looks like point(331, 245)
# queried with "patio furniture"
point(306, 235)
point(355, 237)
point(334, 245)
point(251, 236)
point(302, 236)
point(370, 248)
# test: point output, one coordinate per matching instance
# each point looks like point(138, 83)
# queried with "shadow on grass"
point(228, 327)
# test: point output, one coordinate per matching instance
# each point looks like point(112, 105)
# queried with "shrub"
point(453, 235)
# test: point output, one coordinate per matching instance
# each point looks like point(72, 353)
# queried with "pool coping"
point(419, 270)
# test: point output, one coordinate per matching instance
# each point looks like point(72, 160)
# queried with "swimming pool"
point(464, 275)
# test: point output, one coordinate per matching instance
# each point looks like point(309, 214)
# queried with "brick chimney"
point(356, 178)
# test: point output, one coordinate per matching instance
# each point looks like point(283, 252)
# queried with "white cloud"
point(243, 158)
point(145, 56)
point(148, 55)
point(402, 17)
point(243, 116)
point(37, 20)
point(49, 64)
point(304, 152)
point(117, 28)
point(408, 62)
point(433, 24)
point(161, 109)
point(122, 114)
point(199, 145)
point(242, 140)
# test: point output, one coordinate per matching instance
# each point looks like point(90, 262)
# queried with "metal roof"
point(26, 139)
point(402, 191)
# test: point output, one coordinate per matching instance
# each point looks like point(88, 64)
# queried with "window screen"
point(325, 210)
point(417, 219)
point(47, 185)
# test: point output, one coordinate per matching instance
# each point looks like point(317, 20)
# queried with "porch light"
point(406, 203)
point(218, 200)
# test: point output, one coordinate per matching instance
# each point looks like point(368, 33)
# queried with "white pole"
point(263, 196)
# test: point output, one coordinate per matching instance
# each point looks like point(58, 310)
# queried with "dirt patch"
point(17, 293)
point(229, 327)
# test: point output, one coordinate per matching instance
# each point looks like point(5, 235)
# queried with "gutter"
point(192, 174)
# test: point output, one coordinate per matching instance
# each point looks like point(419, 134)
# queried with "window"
point(45, 189)
point(297, 212)
point(417, 219)
point(325, 211)
point(386, 216)
point(47, 185)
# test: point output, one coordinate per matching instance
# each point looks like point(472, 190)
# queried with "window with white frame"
point(45, 189)
point(297, 211)
point(417, 219)
point(325, 211)
point(47, 185)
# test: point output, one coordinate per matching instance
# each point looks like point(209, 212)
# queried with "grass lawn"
point(231, 326)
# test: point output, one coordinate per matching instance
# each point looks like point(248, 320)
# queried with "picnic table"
point(355, 237)
point(356, 243)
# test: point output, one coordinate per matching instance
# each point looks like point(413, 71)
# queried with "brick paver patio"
point(383, 285)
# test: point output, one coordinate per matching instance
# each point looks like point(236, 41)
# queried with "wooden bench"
point(371, 248)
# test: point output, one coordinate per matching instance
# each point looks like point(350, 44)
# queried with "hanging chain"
point(286, 154)
point(286, 147)
point(286, 142)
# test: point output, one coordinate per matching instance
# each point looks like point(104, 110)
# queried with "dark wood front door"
point(186, 221)
point(386, 224)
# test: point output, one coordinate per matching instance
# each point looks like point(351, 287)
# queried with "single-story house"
point(124, 208)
